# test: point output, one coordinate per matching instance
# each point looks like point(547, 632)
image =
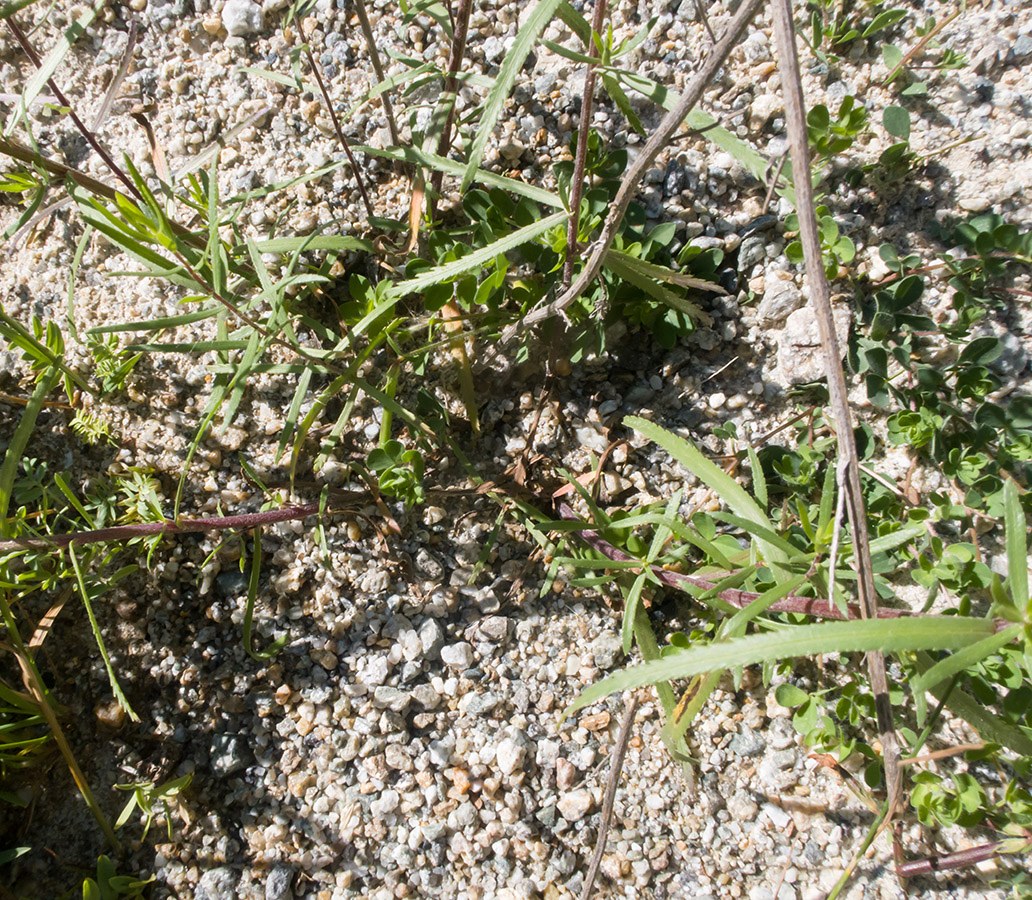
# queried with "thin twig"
point(959, 860)
point(451, 86)
point(607, 805)
point(146, 529)
point(659, 140)
point(337, 127)
point(91, 138)
point(795, 117)
point(773, 185)
point(374, 58)
point(581, 158)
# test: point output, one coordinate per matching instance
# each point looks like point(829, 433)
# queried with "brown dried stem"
point(580, 160)
point(337, 128)
point(91, 138)
point(374, 57)
point(460, 28)
point(849, 462)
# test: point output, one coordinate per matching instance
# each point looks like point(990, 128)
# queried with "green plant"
point(399, 471)
point(152, 800)
point(109, 885)
point(835, 25)
point(838, 249)
point(788, 559)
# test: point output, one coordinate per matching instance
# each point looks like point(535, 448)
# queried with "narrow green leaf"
point(1017, 547)
point(37, 81)
point(252, 597)
point(526, 36)
point(963, 659)
point(631, 603)
point(450, 167)
point(6, 11)
point(335, 242)
point(715, 478)
point(858, 635)
point(84, 592)
point(990, 727)
point(753, 162)
point(759, 480)
point(19, 441)
point(478, 259)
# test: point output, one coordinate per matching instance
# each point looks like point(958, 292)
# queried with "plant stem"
point(577, 186)
point(808, 606)
point(374, 57)
point(659, 140)
point(336, 125)
point(451, 84)
point(91, 138)
point(849, 461)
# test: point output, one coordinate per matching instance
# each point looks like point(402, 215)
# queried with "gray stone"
point(231, 584)
point(386, 697)
point(752, 251)
point(800, 355)
point(1022, 46)
point(546, 815)
point(229, 754)
point(426, 696)
point(673, 178)
point(575, 805)
point(747, 743)
point(241, 18)
point(457, 656)
point(494, 628)
point(480, 704)
point(547, 753)
point(607, 649)
point(510, 755)
point(217, 884)
point(707, 243)
point(1013, 357)
point(278, 884)
point(432, 638)
point(441, 751)
point(388, 801)
point(781, 298)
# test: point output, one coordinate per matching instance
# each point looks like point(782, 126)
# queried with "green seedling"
point(109, 885)
point(153, 800)
point(399, 471)
point(838, 250)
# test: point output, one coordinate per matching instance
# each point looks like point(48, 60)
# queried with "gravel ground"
point(406, 741)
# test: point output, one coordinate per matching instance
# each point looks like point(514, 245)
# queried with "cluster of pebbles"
point(406, 741)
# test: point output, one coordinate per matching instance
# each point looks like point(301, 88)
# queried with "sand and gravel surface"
point(406, 742)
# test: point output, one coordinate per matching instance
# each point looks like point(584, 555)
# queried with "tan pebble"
point(565, 774)
point(562, 367)
point(111, 715)
point(354, 531)
point(212, 25)
point(596, 722)
point(283, 693)
point(137, 5)
point(299, 782)
point(575, 805)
